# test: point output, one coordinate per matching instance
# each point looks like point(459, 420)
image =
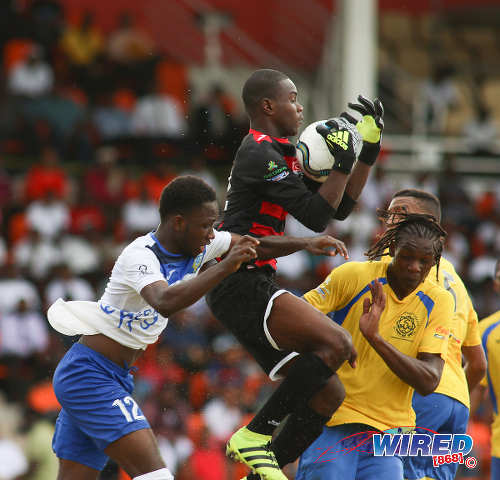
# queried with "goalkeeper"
point(287, 337)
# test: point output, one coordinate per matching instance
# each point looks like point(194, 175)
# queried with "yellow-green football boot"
point(253, 449)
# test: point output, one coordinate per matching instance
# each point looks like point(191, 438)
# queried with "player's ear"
point(178, 223)
point(267, 106)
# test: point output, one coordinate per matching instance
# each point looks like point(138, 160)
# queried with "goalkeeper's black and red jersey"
point(265, 185)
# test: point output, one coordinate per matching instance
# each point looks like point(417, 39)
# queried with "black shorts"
point(242, 303)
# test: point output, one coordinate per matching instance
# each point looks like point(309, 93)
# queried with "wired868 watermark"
point(443, 448)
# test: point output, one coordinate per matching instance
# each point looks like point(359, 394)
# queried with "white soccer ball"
point(313, 155)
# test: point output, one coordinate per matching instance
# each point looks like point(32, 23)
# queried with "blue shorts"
point(495, 468)
point(442, 414)
point(97, 407)
point(339, 453)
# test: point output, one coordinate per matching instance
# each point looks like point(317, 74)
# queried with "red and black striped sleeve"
point(265, 186)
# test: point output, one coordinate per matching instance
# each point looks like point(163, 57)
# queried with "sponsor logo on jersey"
point(272, 165)
point(197, 262)
point(277, 174)
point(279, 177)
point(144, 269)
point(441, 333)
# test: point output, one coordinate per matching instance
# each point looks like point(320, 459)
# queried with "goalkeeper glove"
point(342, 141)
point(370, 126)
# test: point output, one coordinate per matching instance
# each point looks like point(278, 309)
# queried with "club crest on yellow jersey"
point(406, 326)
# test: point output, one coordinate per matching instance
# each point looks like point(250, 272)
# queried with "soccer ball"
point(313, 155)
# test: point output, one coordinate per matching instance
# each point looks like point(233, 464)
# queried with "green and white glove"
point(370, 126)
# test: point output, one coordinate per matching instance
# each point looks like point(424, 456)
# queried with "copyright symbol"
point(471, 462)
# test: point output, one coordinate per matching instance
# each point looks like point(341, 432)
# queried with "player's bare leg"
point(69, 470)
point(295, 325)
point(137, 453)
point(310, 386)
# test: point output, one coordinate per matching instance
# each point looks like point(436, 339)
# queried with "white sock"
point(162, 474)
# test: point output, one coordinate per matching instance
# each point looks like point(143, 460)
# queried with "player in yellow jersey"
point(447, 409)
point(489, 328)
point(400, 350)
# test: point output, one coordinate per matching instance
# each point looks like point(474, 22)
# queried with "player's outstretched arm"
point(370, 127)
point(422, 373)
point(280, 246)
point(475, 367)
point(168, 299)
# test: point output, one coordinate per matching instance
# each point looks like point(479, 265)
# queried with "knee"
point(336, 348)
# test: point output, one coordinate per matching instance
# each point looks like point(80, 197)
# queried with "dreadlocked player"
point(401, 335)
point(446, 410)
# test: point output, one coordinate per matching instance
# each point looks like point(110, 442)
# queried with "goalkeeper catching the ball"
point(289, 338)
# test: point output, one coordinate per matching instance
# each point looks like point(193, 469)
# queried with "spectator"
point(47, 17)
point(223, 415)
point(481, 132)
point(213, 118)
point(82, 253)
point(438, 97)
point(82, 43)
point(378, 189)
point(23, 331)
point(198, 168)
point(5, 187)
point(42, 463)
point(111, 121)
point(86, 213)
point(454, 198)
point(129, 44)
point(158, 177)
point(158, 115)
point(48, 216)
point(13, 461)
point(67, 286)
point(32, 78)
point(207, 461)
point(46, 176)
point(36, 255)
point(140, 215)
point(14, 288)
point(105, 181)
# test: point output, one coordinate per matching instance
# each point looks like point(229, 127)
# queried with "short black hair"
point(261, 84)
point(183, 194)
point(428, 200)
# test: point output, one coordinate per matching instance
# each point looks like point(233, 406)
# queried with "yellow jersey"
point(464, 331)
point(418, 323)
point(489, 328)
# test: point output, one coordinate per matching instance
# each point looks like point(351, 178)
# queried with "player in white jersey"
point(155, 276)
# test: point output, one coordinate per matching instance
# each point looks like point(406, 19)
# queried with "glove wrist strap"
point(369, 153)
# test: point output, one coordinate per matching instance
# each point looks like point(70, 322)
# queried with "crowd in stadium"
point(92, 128)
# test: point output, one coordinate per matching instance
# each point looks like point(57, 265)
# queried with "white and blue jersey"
point(122, 313)
point(94, 392)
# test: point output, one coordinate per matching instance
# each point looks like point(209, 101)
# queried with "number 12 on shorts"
point(135, 409)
